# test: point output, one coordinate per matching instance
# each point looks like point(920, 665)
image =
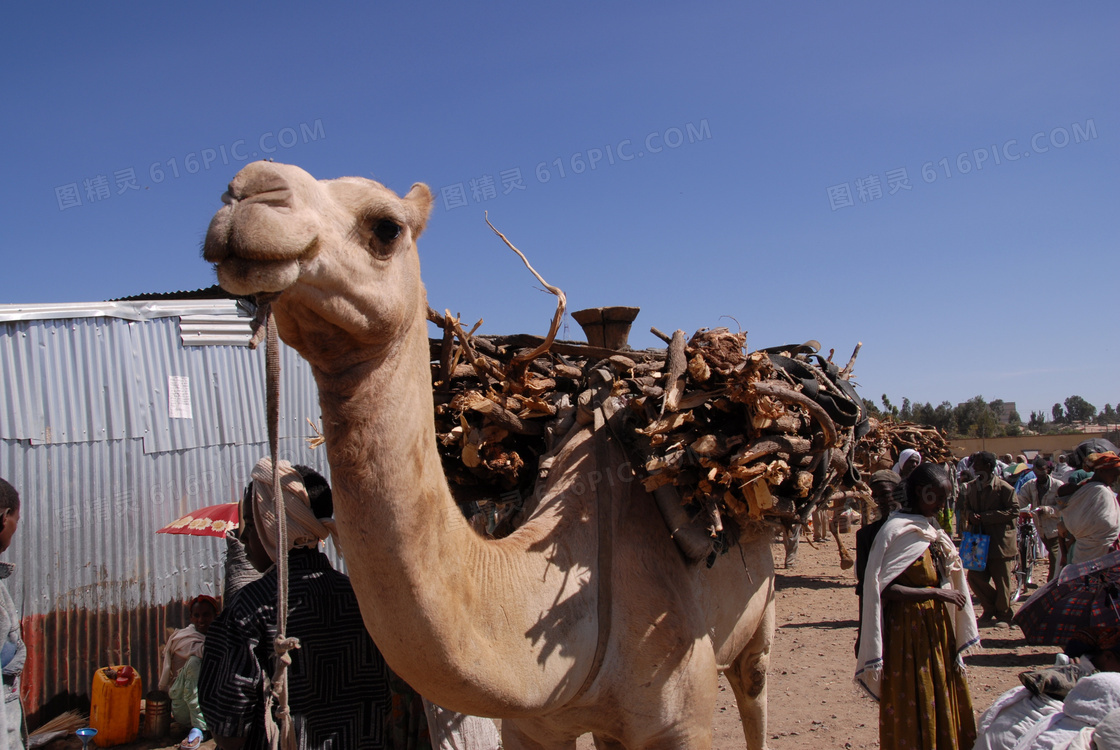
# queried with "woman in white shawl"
point(916, 624)
point(908, 460)
point(1091, 515)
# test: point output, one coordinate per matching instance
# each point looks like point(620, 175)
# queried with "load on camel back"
point(646, 483)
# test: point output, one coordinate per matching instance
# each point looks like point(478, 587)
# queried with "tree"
point(968, 413)
point(888, 407)
point(1037, 422)
point(1107, 416)
point(906, 413)
point(986, 425)
point(944, 419)
point(871, 409)
point(1079, 410)
point(1059, 415)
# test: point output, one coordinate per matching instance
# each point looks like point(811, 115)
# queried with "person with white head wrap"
point(908, 460)
point(347, 704)
point(305, 529)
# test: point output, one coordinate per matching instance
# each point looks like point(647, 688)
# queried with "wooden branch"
point(436, 318)
point(762, 447)
point(445, 366)
point(568, 349)
point(794, 397)
point(846, 373)
point(678, 365)
point(661, 335)
point(502, 416)
point(481, 365)
point(561, 302)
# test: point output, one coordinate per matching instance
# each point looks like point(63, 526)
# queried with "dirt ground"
point(813, 702)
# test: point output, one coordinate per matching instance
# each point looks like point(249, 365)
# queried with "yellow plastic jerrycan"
point(114, 709)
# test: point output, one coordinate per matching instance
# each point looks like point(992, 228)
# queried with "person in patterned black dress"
point(338, 683)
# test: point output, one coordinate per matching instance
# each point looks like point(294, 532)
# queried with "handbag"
point(974, 550)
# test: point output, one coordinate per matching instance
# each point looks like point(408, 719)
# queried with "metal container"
point(157, 715)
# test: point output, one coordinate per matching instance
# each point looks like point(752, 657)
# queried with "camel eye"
point(387, 230)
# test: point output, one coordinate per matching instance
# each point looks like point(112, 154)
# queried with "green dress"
point(925, 700)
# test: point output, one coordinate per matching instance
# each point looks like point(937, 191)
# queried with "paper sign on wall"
point(179, 397)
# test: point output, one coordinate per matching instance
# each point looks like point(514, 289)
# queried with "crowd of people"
point(916, 602)
point(917, 622)
point(218, 672)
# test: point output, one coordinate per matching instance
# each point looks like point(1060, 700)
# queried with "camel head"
point(339, 254)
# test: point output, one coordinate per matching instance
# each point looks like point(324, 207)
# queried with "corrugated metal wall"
point(87, 437)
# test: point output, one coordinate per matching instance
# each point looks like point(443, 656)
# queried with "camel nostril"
point(276, 198)
point(259, 179)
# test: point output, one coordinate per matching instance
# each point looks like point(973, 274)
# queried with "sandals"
point(192, 742)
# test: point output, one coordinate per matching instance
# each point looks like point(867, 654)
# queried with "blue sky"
point(939, 183)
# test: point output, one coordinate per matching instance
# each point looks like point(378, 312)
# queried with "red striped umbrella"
point(213, 520)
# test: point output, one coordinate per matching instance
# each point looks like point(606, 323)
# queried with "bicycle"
point(1027, 544)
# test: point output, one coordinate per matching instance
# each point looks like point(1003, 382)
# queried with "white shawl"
point(304, 529)
point(182, 645)
point(1093, 517)
point(901, 541)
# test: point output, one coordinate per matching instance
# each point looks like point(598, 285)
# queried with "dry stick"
point(450, 322)
point(445, 368)
point(502, 416)
point(436, 318)
point(764, 446)
point(561, 303)
point(572, 350)
point(678, 364)
point(847, 371)
point(481, 365)
point(661, 335)
point(790, 396)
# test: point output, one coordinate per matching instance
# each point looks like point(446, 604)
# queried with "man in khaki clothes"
point(988, 505)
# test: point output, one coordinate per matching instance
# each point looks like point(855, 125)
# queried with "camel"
point(557, 629)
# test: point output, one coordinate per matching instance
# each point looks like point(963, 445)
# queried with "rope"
point(606, 503)
point(280, 733)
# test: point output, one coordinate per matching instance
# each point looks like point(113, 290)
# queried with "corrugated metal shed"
point(116, 418)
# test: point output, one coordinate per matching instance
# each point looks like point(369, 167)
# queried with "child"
point(182, 660)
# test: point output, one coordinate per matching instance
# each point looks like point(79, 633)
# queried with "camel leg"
point(792, 538)
point(846, 560)
point(747, 675)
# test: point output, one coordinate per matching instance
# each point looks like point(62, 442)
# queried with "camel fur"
point(507, 628)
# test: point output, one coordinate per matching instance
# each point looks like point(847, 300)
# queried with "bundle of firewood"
point(886, 439)
point(759, 436)
point(733, 433)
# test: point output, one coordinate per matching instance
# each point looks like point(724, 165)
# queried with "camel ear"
point(419, 202)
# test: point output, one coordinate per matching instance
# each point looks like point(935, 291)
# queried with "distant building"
point(1004, 410)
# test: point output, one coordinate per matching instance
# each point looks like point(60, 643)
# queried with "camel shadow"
point(786, 581)
point(825, 624)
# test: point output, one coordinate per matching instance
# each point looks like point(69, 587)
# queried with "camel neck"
point(431, 588)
